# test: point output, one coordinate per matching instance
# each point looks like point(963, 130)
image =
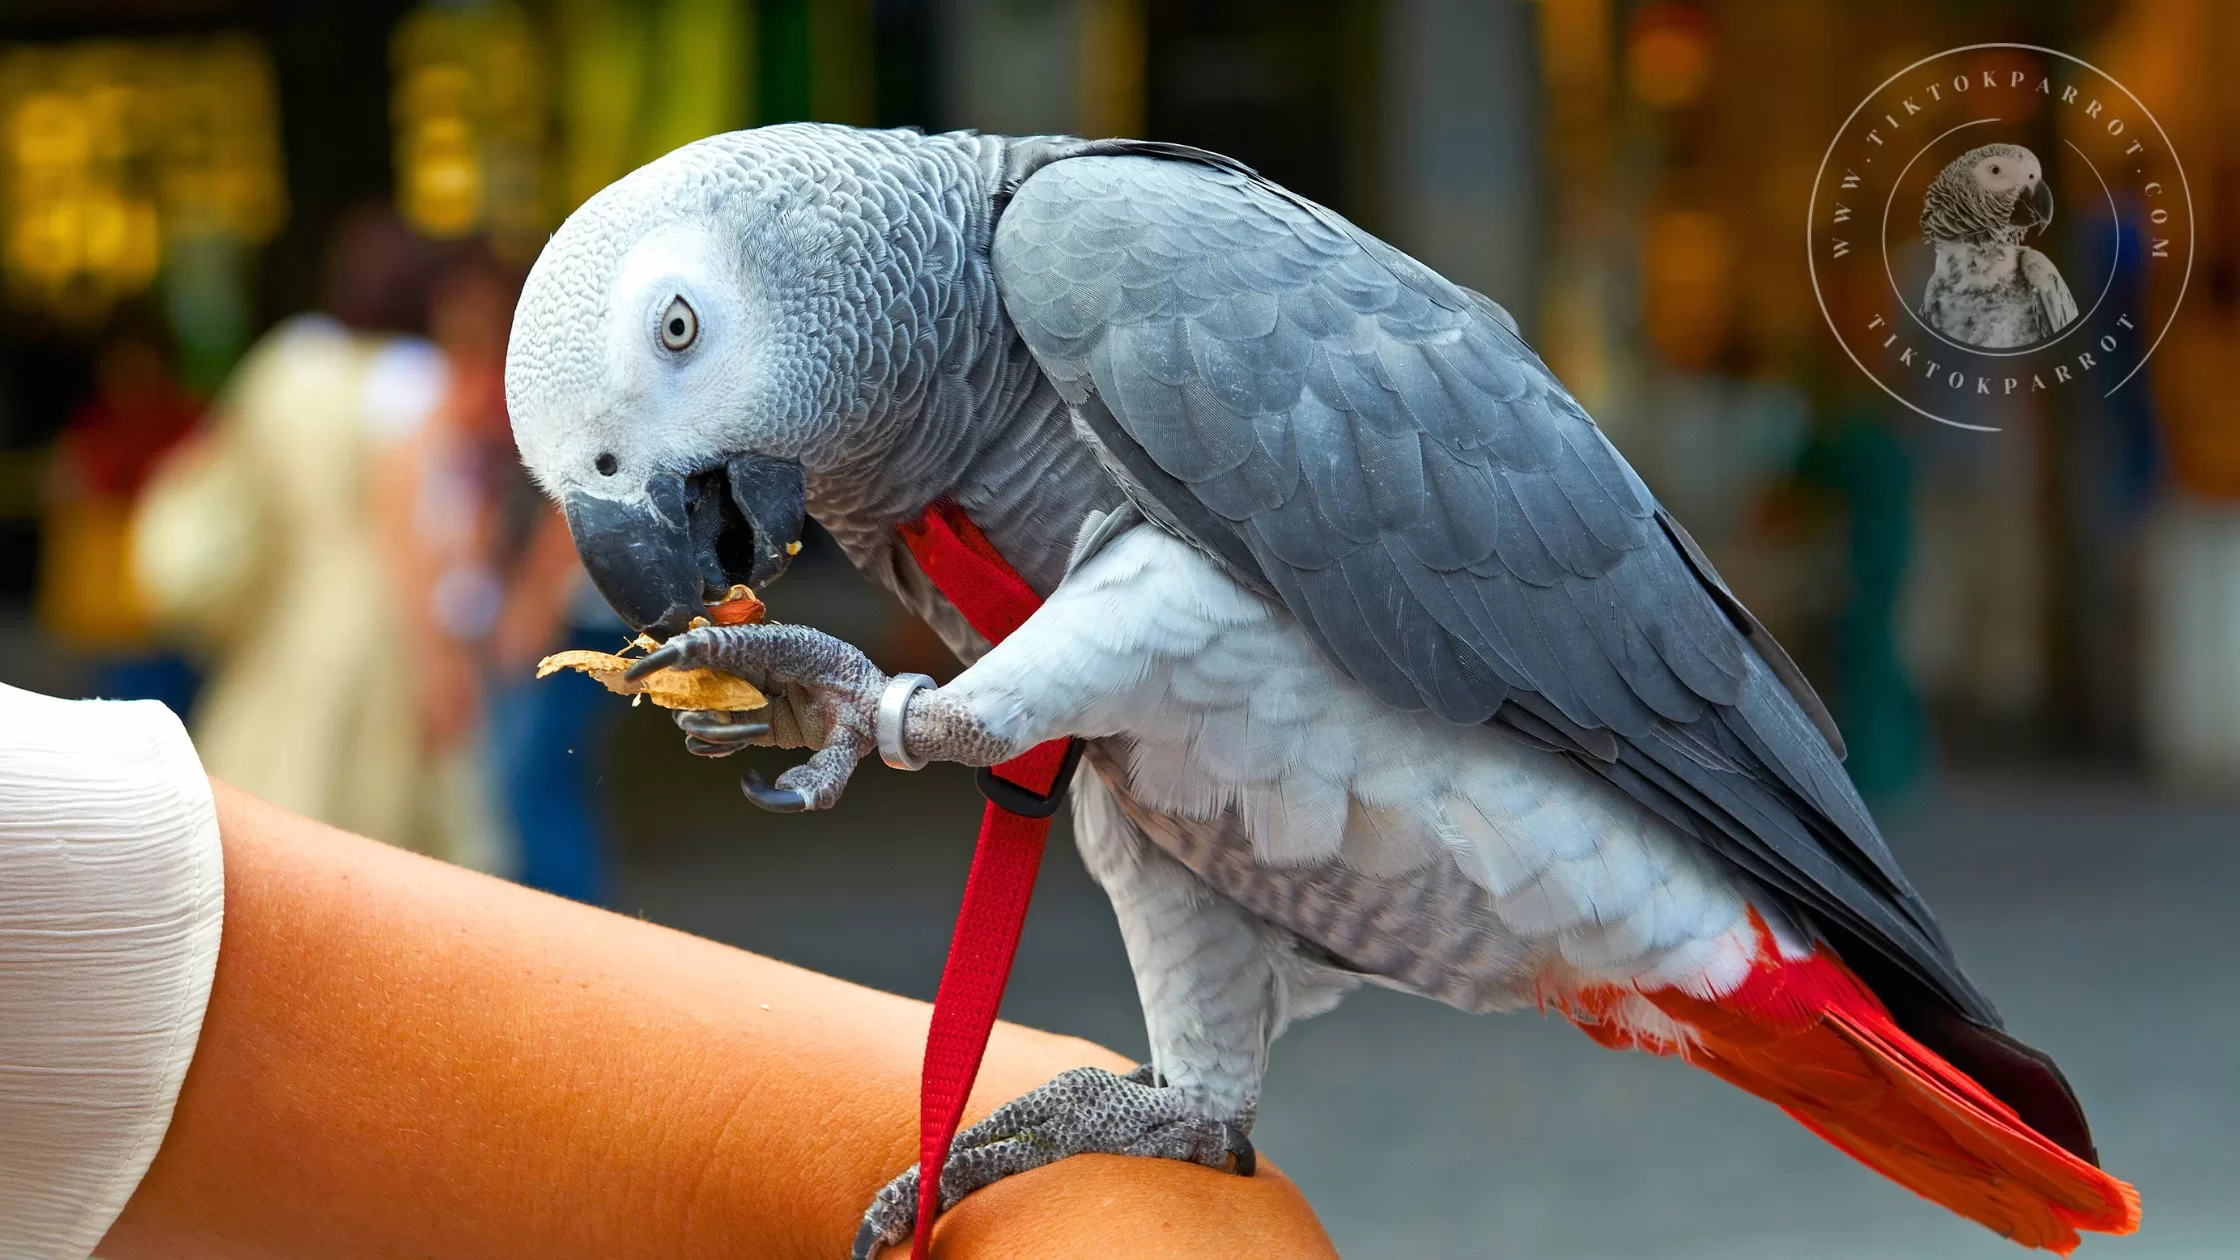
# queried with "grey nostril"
point(605, 463)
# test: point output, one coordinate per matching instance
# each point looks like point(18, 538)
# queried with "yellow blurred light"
point(470, 122)
point(111, 148)
point(43, 244)
point(49, 130)
point(438, 94)
point(103, 226)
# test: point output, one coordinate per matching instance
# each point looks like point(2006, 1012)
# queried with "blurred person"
point(104, 456)
point(1972, 612)
point(257, 538)
point(548, 737)
point(488, 582)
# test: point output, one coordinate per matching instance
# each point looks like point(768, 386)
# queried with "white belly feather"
point(1230, 706)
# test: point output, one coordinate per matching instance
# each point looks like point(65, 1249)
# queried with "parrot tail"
point(1808, 1036)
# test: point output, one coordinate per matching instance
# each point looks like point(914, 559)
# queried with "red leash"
point(1022, 795)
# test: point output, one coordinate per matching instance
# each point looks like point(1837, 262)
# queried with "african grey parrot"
point(1986, 288)
point(1389, 666)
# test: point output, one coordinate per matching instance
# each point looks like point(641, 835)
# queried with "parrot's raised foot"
point(822, 695)
point(1081, 1112)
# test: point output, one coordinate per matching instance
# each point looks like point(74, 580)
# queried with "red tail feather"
point(1807, 1036)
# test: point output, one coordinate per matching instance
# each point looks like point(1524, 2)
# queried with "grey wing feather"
point(1347, 431)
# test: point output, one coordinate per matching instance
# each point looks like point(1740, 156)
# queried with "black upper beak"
point(2035, 207)
point(661, 561)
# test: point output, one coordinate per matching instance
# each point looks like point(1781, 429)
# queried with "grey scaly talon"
point(660, 658)
point(717, 733)
point(1244, 1160)
point(719, 728)
point(776, 800)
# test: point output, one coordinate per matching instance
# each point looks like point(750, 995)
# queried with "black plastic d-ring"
point(1013, 799)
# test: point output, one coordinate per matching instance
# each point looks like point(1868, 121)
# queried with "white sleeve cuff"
point(111, 894)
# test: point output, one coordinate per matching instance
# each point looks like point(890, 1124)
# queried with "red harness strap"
point(1022, 794)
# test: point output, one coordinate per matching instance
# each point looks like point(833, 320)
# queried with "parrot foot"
point(823, 695)
point(1082, 1112)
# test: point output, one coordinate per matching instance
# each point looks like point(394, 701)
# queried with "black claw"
point(867, 1242)
point(1246, 1160)
point(662, 657)
point(776, 800)
point(726, 732)
point(699, 747)
point(691, 720)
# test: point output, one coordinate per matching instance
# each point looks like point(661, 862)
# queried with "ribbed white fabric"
point(111, 894)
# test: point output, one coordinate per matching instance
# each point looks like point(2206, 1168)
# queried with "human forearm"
point(400, 1057)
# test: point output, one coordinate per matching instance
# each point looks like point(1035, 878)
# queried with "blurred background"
point(257, 262)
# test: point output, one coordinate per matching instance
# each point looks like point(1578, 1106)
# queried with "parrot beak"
point(2035, 207)
point(662, 561)
point(770, 495)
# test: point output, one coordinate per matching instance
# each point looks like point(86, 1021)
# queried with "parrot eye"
point(605, 463)
point(679, 325)
point(1994, 168)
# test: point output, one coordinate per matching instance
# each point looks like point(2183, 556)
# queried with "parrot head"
point(1996, 192)
point(689, 345)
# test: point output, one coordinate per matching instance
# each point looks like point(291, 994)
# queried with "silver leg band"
point(894, 702)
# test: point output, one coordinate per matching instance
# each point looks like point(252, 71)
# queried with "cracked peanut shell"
point(670, 688)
